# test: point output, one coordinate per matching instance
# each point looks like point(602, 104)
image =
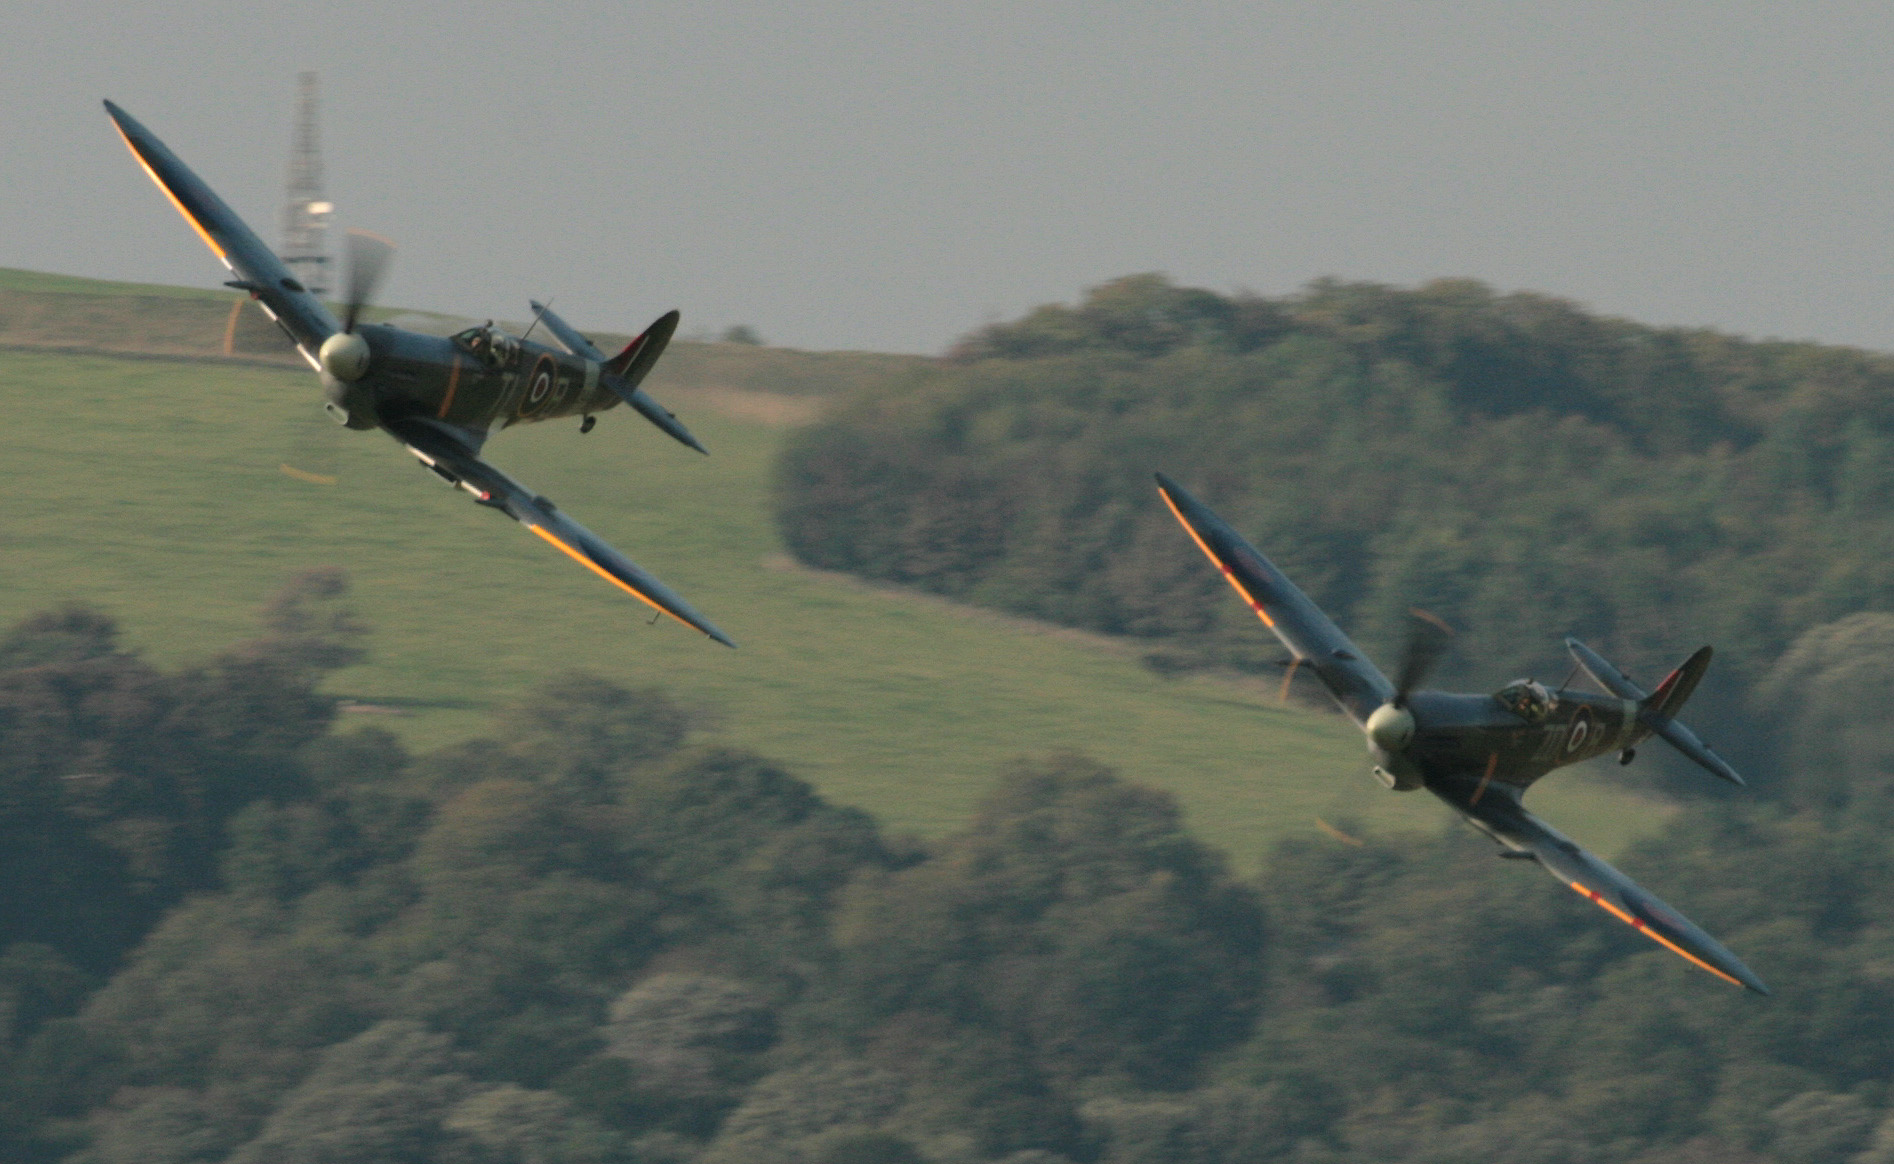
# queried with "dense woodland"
point(235, 930)
point(1520, 467)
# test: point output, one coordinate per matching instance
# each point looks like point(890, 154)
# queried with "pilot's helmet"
point(1535, 698)
point(1526, 697)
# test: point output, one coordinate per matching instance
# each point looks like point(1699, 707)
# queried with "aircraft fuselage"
point(481, 383)
point(1457, 734)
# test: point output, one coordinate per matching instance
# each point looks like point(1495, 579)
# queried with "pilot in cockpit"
point(1526, 698)
point(489, 345)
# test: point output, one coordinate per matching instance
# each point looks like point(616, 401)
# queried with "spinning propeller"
point(345, 355)
point(344, 352)
point(1427, 640)
point(1391, 727)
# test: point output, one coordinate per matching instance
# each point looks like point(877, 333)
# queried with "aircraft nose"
point(1390, 728)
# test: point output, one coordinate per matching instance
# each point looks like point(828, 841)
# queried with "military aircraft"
point(1479, 753)
point(440, 397)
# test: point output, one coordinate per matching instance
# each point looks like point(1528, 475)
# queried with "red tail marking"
point(1664, 689)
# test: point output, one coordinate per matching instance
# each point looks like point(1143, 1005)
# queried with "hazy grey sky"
point(889, 176)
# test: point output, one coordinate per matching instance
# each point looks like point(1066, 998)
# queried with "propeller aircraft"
point(1480, 753)
point(440, 397)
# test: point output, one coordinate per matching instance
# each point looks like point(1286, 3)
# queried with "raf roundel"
point(1581, 730)
point(1479, 753)
point(539, 387)
point(410, 384)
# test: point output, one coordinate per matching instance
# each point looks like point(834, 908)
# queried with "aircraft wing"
point(1315, 641)
point(451, 458)
point(257, 268)
point(1496, 811)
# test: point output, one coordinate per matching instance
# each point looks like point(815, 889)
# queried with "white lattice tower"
point(306, 216)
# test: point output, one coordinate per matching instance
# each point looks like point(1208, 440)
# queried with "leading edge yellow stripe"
point(159, 182)
point(1598, 899)
point(602, 572)
point(1216, 561)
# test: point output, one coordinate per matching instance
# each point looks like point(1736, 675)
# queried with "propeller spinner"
point(345, 355)
point(1391, 726)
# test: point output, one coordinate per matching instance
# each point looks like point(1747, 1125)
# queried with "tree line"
point(1517, 465)
point(232, 930)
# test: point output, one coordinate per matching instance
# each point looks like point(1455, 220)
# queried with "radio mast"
point(306, 217)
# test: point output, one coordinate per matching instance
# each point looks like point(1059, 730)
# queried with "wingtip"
point(1174, 495)
point(1194, 514)
point(683, 436)
point(1743, 974)
point(711, 630)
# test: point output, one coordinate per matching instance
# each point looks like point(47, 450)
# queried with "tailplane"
point(624, 372)
point(1657, 711)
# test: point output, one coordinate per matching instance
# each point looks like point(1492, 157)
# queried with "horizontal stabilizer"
point(1657, 710)
point(1658, 713)
point(1684, 740)
point(659, 415)
point(629, 368)
point(1603, 673)
point(567, 335)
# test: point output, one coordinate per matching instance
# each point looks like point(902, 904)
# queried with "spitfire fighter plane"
point(440, 397)
point(1479, 753)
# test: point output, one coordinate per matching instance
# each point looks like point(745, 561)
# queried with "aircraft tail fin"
point(1678, 685)
point(634, 363)
point(624, 372)
point(1657, 711)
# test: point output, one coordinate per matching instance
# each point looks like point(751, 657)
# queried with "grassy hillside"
point(72, 314)
point(150, 488)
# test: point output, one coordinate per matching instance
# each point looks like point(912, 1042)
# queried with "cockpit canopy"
point(489, 345)
point(1526, 698)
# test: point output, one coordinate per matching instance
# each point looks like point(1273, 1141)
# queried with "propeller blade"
point(368, 261)
point(1427, 640)
point(313, 452)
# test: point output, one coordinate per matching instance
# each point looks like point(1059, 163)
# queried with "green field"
point(150, 487)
